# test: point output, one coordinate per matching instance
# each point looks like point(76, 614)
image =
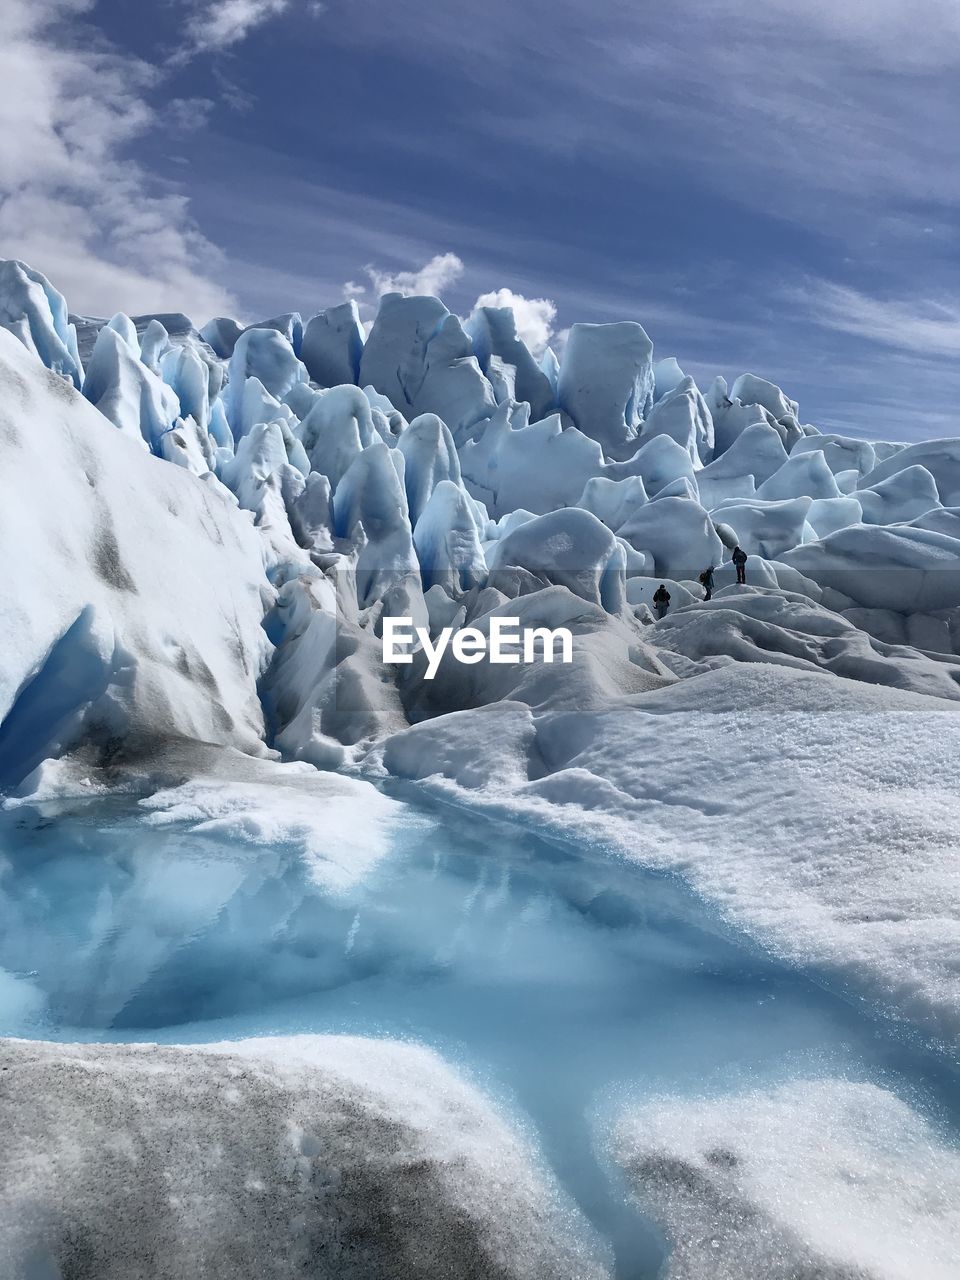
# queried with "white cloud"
point(218, 24)
point(922, 325)
point(443, 270)
point(71, 203)
point(534, 316)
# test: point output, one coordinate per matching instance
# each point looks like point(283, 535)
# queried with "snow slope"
point(329, 1156)
point(131, 599)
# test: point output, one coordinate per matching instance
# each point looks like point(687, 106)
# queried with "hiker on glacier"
point(661, 600)
point(706, 581)
point(740, 560)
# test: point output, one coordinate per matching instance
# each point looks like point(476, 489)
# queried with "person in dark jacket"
point(706, 580)
point(740, 560)
point(661, 600)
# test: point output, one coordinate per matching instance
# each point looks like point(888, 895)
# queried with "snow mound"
point(828, 1178)
point(776, 626)
point(336, 1157)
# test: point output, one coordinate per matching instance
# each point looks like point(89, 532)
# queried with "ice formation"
point(436, 470)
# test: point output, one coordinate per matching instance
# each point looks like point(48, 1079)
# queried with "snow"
point(339, 826)
point(120, 546)
point(852, 786)
point(825, 1177)
point(437, 471)
point(340, 1156)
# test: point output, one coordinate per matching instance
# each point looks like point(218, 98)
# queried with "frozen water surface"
point(564, 983)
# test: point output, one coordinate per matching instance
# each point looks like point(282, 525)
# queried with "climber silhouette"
point(661, 600)
point(706, 580)
point(740, 560)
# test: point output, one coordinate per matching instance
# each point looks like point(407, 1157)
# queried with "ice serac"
point(903, 568)
point(569, 548)
point(765, 528)
point(419, 357)
point(904, 496)
point(35, 313)
point(131, 613)
point(536, 466)
point(221, 335)
point(940, 457)
point(121, 386)
point(337, 429)
point(335, 1157)
point(430, 456)
point(370, 507)
point(682, 414)
point(333, 345)
point(804, 475)
point(493, 331)
point(606, 381)
point(755, 455)
point(679, 535)
point(266, 355)
point(447, 541)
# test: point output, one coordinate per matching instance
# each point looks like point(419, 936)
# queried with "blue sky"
point(767, 186)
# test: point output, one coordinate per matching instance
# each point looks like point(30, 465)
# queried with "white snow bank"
point(816, 813)
point(337, 1157)
point(829, 1178)
point(341, 826)
point(130, 602)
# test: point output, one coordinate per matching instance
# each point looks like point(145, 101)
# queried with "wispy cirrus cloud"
point(924, 325)
point(72, 201)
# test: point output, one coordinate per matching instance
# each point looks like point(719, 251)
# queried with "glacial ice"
point(606, 381)
point(438, 471)
point(36, 314)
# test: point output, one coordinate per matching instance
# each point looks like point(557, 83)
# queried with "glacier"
point(204, 528)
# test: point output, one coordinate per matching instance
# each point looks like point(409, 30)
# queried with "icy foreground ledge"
point(820, 814)
point(822, 1178)
point(324, 1156)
